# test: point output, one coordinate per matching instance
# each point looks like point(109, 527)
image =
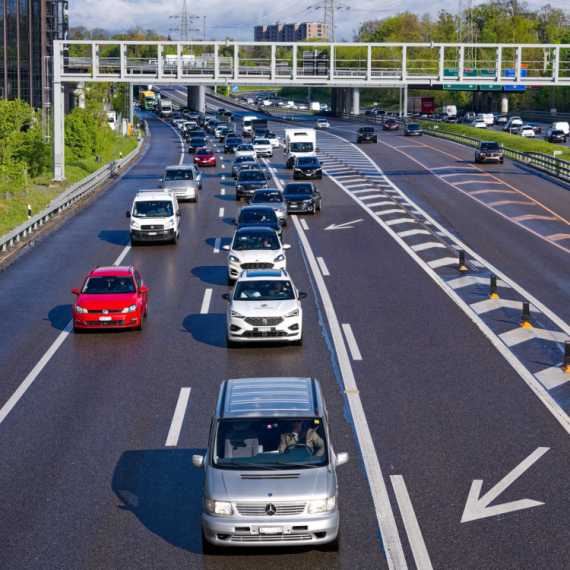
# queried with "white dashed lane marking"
point(323, 266)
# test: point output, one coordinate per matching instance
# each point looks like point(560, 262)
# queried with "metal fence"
point(68, 198)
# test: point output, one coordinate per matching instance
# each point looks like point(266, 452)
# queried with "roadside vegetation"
point(514, 142)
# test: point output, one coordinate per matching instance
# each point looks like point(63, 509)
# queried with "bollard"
point(462, 266)
point(493, 288)
point(29, 211)
point(566, 365)
point(525, 322)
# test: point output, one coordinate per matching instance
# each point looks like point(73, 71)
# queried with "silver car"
point(274, 198)
point(184, 179)
point(270, 467)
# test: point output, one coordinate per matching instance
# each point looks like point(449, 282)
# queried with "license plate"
point(264, 329)
point(151, 233)
point(105, 318)
point(270, 530)
point(293, 206)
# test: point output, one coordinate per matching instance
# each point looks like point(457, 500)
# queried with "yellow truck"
point(147, 99)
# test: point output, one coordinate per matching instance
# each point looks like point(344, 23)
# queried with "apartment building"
point(280, 32)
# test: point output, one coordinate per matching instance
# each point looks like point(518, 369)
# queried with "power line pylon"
point(465, 28)
point(185, 28)
point(330, 7)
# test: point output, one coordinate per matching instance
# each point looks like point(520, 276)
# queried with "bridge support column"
point(341, 100)
point(348, 99)
point(405, 104)
point(58, 133)
point(81, 94)
point(476, 101)
point(131, 108)
point(356, 100)
point(494, 101)
point(485, 102)
point(333, 100)
point(190, 97)
point(201, 99)
point(504, 103)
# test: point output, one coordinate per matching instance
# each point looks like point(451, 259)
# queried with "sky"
point(235, 18)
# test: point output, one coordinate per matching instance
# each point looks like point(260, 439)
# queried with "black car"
point(302, 197)
point(231, 144)
point(258, 216)
point(195, 143)
point(489, 151)
point(366, 134)
point(413, 130)
point(194, 132)
point(453, 119)
point(228, 135)
point(237, 162)
point(307, 167)
point(555, 135)
point(211, 125)
point(249, 180)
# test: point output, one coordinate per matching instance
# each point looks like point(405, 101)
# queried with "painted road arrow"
point(477, 508)
point(345, 226)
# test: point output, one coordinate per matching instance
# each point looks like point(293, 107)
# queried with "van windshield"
point(270, 443)
point(301, 147)
point(153, 209)
point(182, 174)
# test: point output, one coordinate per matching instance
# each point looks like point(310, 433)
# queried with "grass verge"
point(15, 211)
point(514, 142)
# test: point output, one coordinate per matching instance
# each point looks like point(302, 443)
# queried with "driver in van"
point(299, 435)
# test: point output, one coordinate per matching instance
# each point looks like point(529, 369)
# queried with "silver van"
point(184, 180)
point(270, 467)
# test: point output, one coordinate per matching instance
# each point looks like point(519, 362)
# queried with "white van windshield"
point(302, 147)
point(270, 443)
point(153, 209)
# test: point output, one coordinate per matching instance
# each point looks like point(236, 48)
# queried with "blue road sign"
point(514, 87)
point(511, 72)
point(235, 88)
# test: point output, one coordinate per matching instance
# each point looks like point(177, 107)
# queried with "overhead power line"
point(330, 7)
point(185, 28)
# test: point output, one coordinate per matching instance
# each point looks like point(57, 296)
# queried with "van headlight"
point(170, 223)
point(294, 313)
point(233, 258)
point(322, 506)
point(280, 257)
point(219, 507)
point(135, 225)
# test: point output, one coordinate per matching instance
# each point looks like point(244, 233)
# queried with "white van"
point(155, 216)
point(489, 118)
point(561, 126)
point(299, 142)
point(246, 127)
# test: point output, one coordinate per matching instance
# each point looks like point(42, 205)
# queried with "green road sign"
point(490, 87)
point(487, 72)
point(460, 87)
point(450, 72)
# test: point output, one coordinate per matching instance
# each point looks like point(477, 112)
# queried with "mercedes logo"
point(105, 311)
point(270, 510)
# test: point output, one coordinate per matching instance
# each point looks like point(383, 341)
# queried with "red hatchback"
point(110, 297)
point(205, 157)
point(390, 126)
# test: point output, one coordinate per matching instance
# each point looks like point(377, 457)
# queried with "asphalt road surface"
point(436, 391)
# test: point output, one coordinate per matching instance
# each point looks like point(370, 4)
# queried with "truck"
point(422, 105)
point(450, 110)
point(112, 120)
point(165, 107)
point(315, 106)
point(250, 123)
point(147, 100)
point(299, 142)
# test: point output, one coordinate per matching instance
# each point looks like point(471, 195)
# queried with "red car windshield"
point(108, 284)
point(205, 153)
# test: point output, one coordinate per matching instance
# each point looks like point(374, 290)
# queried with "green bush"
point(81, 136)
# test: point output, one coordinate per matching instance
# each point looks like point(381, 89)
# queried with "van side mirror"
point(128, 214)
point(226, 296)
point(160, 180)
point(286, 246)
point(178, 213)
point(341, 458)
point(234, 221)
point(226, 248)
point(302, 295)
point(198, 461)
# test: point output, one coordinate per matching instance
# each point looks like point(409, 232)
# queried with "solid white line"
point(323, 266)
point(7, 408)
point(221, 212)
point(206, 302)
point(223, 191)
point(304, 224)
point(415, 537)
point(178, 418)
point(217, 243)
point(351, 341)
point(388, 529)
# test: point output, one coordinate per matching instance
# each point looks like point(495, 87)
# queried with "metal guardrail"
point(67, 198)
point(553, 166)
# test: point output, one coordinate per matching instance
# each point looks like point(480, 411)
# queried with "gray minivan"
point(270, 467)
point(184, 180)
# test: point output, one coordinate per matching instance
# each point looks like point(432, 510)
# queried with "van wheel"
point(174, 239)
point(333, 546)
point(134, 242)
point(207, 547)
point(237, 198)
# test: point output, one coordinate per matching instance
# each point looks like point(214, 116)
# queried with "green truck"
point(147, 100)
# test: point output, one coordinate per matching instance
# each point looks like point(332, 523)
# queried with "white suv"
point(264, 305)
point(255, 248)
point(263, 147)
point(155, 216)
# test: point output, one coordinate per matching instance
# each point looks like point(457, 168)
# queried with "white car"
point(526, 131)
point(177, 122)
point(246, 150)
point(322, 124)
point(263, 147)
point(274, 139)
point(479, 124)
point(264, 306)
point(221, 128)
point(255, 248)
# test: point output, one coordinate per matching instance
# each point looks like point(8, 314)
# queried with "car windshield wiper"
point(253, 465)
point(306, 465)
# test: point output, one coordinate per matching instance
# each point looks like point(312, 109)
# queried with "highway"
point(434, 389)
